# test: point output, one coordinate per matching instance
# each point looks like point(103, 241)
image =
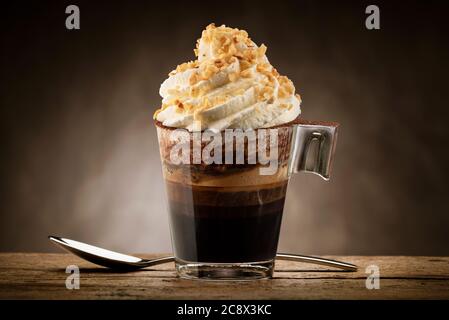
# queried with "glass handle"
point(314, 147)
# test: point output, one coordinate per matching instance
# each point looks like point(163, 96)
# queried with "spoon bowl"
point(104, 257)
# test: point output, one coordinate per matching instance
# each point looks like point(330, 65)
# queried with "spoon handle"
point(316, 260)
point(154, 262)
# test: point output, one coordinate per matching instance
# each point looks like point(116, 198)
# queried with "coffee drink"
point(226, 197)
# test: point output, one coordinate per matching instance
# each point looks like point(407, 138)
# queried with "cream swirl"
point(230, 85)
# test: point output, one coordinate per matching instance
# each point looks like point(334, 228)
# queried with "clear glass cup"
point(225, 218)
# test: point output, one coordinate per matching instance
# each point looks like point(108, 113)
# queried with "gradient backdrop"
point(79, 150)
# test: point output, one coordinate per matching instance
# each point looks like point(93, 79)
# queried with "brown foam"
point(225, 196)
point(245, 177)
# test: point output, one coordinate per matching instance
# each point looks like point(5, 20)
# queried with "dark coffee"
point(225, 224)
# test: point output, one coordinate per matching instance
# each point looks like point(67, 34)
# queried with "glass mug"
point(225, 218)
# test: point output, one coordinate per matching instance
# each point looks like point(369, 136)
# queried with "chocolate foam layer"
point(245, 174)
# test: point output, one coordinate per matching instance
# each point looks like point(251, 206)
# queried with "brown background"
point(79, 150)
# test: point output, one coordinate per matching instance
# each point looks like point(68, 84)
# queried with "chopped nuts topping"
point(225, 46)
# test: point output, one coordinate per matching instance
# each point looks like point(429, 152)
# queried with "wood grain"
point(42, 276)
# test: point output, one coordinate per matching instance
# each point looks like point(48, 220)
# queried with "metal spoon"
point(120, 261)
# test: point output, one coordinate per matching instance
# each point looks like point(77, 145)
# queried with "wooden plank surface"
point(42, 276)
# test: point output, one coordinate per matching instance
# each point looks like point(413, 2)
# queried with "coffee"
point(224, 224)
point(225, 218)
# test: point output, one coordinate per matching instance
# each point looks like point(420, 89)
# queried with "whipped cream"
point(230, 85)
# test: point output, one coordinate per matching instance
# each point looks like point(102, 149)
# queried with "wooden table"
point(42, 276)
